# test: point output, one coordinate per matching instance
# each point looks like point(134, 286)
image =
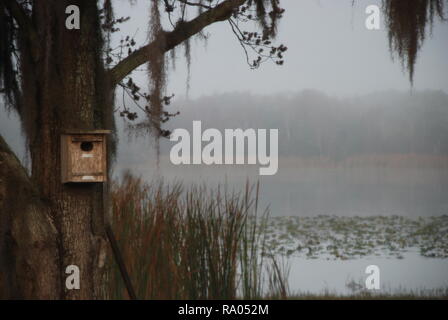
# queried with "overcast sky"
point(329, 49)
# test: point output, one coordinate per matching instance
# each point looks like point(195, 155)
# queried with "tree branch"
point(169, 40)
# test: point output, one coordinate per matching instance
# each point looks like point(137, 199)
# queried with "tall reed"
point(190, 244)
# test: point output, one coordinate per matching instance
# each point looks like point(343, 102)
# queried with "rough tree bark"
point(28, 236)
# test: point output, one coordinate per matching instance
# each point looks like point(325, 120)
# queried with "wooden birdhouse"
point(83, 156)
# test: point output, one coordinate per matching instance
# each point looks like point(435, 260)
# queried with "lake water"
point(361, 192)
point(413, 272)
point(314, 191)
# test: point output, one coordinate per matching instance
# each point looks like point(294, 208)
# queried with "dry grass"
point(191, 244)
point(400, 294)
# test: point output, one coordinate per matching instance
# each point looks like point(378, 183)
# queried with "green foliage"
point(342, 238)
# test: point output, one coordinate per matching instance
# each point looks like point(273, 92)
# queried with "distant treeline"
point(312, 124)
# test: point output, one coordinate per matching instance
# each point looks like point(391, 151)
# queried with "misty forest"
point(93, 206)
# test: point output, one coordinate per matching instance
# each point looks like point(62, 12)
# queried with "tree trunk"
point(65, 88)
point(28, 236)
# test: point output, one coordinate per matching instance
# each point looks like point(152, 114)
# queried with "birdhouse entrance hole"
point(86, 146)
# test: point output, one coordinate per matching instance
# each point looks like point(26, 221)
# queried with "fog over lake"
point(383, 154)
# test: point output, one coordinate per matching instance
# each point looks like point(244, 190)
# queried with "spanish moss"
point(156, 74)
point(407, 23)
